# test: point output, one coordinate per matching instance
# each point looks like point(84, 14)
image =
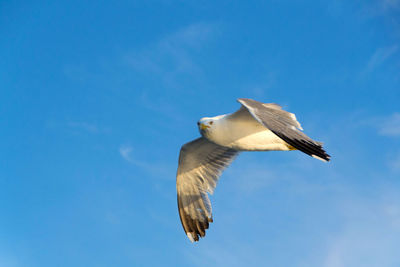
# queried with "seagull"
point(255, 126)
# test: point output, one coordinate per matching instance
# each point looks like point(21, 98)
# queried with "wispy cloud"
point(390, 126)
point(125, 152)
point(369, 235)
point(158, 169)
point(388, 10)
point(379, 57)
point(172, 55)
point(364, 232)
point(78, 127)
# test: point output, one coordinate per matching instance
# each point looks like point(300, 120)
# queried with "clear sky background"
point(97, 97)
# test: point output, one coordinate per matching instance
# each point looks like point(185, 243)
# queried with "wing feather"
point(285, 126)
point(201, 162)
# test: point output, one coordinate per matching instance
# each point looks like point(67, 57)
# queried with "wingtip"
point(190, 236)
point(328, 158)
point(239, 100)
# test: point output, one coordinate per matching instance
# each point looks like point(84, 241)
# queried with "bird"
point(255, 126)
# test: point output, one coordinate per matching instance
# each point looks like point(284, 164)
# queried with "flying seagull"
point(255, 126)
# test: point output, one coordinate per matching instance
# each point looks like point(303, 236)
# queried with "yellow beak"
point(203, 126)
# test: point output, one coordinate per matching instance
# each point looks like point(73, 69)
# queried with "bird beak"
point(203, 126)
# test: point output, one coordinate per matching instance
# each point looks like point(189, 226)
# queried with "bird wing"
point(285, 126)
point(201, 162)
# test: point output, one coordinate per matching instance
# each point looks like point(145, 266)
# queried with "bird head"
point(205, 125)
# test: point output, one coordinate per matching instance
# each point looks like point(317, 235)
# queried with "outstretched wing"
point(284, 125)
point(201, 162)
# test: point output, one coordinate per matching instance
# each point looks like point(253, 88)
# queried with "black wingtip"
point(325, 157)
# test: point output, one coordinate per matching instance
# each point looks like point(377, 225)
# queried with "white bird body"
point(240, 131)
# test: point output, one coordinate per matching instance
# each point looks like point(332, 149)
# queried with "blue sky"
point(97, 98)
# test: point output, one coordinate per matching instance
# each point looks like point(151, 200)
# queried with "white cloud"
point(379, 57)
point(125, 152)
point(390, 126)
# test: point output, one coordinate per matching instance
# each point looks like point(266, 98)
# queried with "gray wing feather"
point(201, 162)
point(284, 125)
point(284, 116)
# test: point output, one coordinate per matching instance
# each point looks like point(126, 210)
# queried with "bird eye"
point(211, 122)
point(198, 123)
